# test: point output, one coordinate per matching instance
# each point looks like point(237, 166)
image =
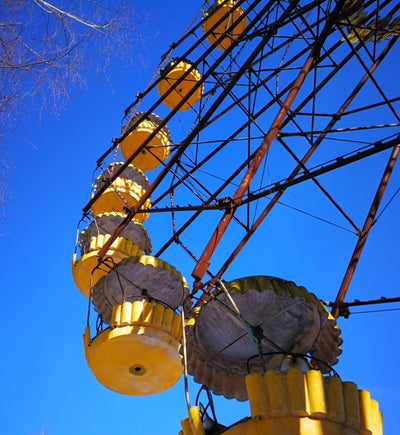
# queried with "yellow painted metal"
point(121, 194)
point(195, 421)
point(351, 404)
point(141, 357)
point(334, 401)
point(260, 404)
point(376, 418)
point(186, 429)
point(130, 172)
point(315, 394)
point(297, 392)
point(365, 409)
point(361, 28)
point(192, 425)
point(216, 12)
point(242, 285)
point(155, 151)
point(168, 78)
point(83, 269)
point(308, 403)
point(277, 392)
point(261, 425)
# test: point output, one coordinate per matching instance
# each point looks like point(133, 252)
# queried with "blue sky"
point(45, 380)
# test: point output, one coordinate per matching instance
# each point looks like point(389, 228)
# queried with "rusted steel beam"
point(369, 221)
point(196, 130)
point(291, 178)
point(202, 265)
point(187, 55)
point(344, 309)
point(275, 199)
point(230, 138)
point(321, 187)
point(159, 127)
point(282, 185)
point(294, 179)
point(246, 124)
point(357, 303)
point(262, 83)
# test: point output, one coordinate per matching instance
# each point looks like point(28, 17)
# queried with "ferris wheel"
point(257, 102)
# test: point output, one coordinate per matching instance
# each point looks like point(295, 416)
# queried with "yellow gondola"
point(135, 278)
point(219, 10)
point(107, 223)
point(303, 403)
point(172, 77)
point(85, 272)
point(156, 150)
point(276, 318)
point(130, 172)
point(139, 354)
point(124, 192)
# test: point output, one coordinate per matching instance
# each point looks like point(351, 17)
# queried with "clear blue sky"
point(45, 382)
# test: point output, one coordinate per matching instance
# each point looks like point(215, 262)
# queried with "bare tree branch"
point(46, 47)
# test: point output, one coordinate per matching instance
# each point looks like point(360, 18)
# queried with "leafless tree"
point(46, 47)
